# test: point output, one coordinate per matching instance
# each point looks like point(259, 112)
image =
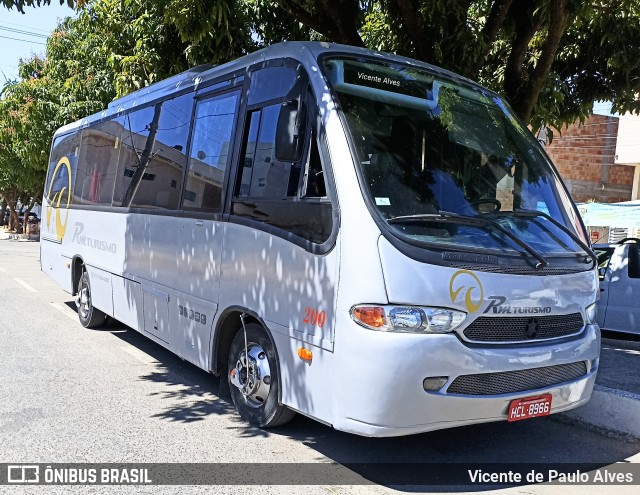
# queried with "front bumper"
point(378, 389)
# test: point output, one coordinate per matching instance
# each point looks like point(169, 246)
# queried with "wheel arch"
point(77, 266)
point(226, 327)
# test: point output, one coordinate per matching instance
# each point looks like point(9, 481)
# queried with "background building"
point(600, 159)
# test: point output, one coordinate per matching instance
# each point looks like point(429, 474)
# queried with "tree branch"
point(335, 22)
point(345, 16)
point(408, 12)
point(525, 28)
point(497, 16)
point(558, 23)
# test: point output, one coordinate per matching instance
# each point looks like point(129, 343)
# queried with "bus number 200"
point(315, 317)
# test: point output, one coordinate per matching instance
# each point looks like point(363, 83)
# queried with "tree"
point(19, 5)
point(114, 47)
point(551, 59)
point(29, 113)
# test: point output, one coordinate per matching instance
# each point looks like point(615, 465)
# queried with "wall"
point(585, 157)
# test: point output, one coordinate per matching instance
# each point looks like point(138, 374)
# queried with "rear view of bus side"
point(361, 238)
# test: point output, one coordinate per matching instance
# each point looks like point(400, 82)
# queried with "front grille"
point(512, 329)
point(508, 382)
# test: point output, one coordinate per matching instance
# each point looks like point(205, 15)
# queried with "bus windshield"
point(429, 148)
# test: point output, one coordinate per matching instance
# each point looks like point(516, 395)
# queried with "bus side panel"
point(281, 282)
point(54, 264)
point(101, 293)
point(192, 323)
point(284, 285)
point(306, 385)
point(127, 302)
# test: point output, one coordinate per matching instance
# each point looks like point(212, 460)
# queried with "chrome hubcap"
point(252, 376)
point(82, 301)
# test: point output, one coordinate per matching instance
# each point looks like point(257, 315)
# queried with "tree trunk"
point(3, 211)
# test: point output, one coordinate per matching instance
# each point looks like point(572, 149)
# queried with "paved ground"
point(620, 362)
point(68, 394)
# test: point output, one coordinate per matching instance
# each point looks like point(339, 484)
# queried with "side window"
point(210, 152)
point(281, 180)
point(98, 163)
point(262, 176)
point(634, 261)
point(314, 180)
point(270, 83)
point(153, 155)
point(603, 256)
point(62, 169)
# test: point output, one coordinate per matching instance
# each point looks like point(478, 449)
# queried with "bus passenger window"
point(98, 163)
point(65, 150)
point(152, 158)
point(210, 151)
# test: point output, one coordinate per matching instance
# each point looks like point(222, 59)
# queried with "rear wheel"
point(253, 381)
point(90, 317)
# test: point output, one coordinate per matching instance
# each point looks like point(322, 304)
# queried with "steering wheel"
point(487, 201)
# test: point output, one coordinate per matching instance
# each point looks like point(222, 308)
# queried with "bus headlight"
point(591, 312)
point(407, 319)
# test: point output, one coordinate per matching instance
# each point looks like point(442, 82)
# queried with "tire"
point(89, 316)
point(255, 408)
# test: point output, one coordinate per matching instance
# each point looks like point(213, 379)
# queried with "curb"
point(610, 409)
point(6, 236)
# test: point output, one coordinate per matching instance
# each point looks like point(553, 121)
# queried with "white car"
point(619, 272)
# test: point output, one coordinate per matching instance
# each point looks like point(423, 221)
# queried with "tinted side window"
point(634, 261)
point(270, 83)
point(210, 150)
point(98, 163)
point(276, 192)
point(314, 180)
point(62, 168)
point(603, 256)
point(262, 175)
point(153, 155)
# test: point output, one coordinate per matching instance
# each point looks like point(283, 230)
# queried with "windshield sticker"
point(383, 202)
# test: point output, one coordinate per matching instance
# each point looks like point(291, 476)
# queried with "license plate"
point(529, 407)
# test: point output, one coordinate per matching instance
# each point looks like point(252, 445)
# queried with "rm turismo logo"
point(474, 293)
point(55, 200)
point(23, 473)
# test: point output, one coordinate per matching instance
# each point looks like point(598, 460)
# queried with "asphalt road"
point(620, 362)
point(68, 394)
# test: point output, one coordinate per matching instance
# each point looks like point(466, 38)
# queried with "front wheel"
point(253, 379)
point(90, 317)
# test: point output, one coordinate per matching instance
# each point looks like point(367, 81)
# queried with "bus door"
point(198, 250)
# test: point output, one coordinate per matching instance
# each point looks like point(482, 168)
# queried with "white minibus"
point(362, 238)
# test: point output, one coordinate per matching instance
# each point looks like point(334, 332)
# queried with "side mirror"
point(290, 131)
point(602, 271)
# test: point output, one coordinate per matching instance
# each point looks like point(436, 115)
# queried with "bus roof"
point(200, 75)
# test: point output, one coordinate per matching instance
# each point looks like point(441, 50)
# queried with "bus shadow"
point(443, 460)
point(430, 462)
point(194, 394)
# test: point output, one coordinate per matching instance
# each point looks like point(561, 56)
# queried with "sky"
point(31, 28)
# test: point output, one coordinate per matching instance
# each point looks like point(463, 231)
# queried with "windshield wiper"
point(446, 216)
point(522, 212)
